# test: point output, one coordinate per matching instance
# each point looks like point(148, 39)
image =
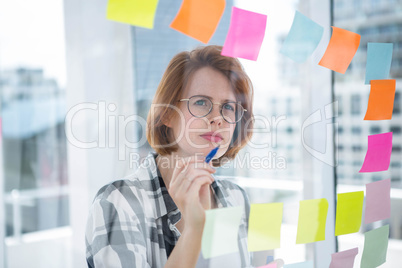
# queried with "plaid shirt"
point(132, 222)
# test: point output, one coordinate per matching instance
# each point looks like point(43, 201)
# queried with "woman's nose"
point(215, 116)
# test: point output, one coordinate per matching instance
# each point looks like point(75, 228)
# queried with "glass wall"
point(377, 22)
point(271, 167)
point(49, 182)
point(153, 49)
point(32, 93)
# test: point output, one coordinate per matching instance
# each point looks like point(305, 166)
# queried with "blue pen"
point(211, 154)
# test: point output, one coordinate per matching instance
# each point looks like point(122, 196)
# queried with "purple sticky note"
point(378, 201)
point(246, 32)
point(344, 259)
point(378, 154)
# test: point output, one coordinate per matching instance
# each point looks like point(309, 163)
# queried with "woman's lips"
point(212, 138)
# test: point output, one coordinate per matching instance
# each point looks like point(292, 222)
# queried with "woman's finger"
point(182, 188)
point(188, 167)
point(199, 163)
point(194, 189)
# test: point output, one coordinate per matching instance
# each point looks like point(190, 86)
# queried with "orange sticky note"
point(199, 18)
point(341, 49)
point(381, 100)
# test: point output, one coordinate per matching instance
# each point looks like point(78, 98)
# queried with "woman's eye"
point(200, 102)
point(228, 107)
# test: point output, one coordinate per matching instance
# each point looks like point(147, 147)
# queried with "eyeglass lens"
point(201, 106)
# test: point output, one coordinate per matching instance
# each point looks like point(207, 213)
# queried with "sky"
point(32, 35)
point(264, 72)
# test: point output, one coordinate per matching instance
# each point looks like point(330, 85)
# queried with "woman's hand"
point(189, 189)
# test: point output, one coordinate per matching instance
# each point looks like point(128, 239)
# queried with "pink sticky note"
point(378, 201)
point(378, 154)
point(246, 32)
point(269, 265)
point(344, 259)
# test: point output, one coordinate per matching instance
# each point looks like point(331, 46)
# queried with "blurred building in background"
point(377, 21)
point(35, 157)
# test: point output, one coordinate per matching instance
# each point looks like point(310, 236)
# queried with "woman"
point(155, 217)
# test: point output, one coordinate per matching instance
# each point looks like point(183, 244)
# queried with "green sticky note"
point(312, 219)
point(221, 231)
point(375, 247)
point(349, 213)
point(135, 12)
point(264, 229)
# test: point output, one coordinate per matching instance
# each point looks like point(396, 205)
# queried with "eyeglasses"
point(200, 106)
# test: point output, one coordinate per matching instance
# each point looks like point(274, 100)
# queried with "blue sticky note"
point(303, 38)
point(307, 264)
point(379, 57)
point(270, 259)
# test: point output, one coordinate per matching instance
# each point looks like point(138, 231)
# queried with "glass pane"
point(270, 167)
point(376, 22)
point(32, 91)
point(154, 49)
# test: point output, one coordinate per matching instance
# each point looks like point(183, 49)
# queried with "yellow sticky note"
point(136, 12)
point(264, 230)
point(349, 211)
point(312, 219)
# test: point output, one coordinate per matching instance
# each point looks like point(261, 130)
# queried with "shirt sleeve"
point(114, 238)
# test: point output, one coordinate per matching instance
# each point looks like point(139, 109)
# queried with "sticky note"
point(135, 12)
point(343, 259)
point(378, 201)
point(245, 35)
point(349, 211)
point(381, 100)
point(312, 219)
point(303, 38)
point(269, 259)
point(375, 247)
point(264, 230)
point(221, 231)
point(341, 49)
point(199, 18)
point(307, 264)
point(378, 154)
point(378, 64)
point(270, 265)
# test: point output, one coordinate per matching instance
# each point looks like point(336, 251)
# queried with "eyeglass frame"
point(210, 110)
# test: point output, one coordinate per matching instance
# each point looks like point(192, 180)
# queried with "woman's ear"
point(166, 121)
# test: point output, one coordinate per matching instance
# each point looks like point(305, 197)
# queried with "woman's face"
point(200, 135)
